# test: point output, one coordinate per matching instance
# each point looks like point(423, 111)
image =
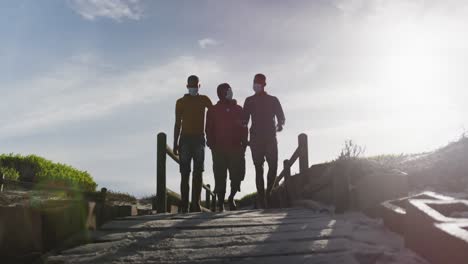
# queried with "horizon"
point(91, 83)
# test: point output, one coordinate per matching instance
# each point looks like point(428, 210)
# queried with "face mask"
point(257, 87)
point(193, 91)
point(229, 94)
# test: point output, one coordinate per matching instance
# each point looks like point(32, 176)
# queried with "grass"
point(113, 197)
point(36, 169)
point(247, 200)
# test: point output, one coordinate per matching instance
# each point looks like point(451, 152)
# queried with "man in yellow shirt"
point(189, 141)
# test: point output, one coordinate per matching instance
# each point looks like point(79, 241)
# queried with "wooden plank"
point(171, 243)
point(297, 236)
point(128, 251)
point(326, 258)
point(222, 232)
point(279, 213)
point(201, 223)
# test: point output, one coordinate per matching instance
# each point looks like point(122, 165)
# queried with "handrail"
point(171, 154)
point(161, 191)
point(301, 153)
point(176, 158)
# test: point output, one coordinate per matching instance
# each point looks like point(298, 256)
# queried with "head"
point(193, 84)
point(259, 83)
point(225, 92)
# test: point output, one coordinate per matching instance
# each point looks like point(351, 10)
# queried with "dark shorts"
point(263, 149)
point(234, 162)
point(192, 148)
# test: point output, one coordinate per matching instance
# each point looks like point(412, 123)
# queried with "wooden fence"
point(163, 150)
point(302, 154)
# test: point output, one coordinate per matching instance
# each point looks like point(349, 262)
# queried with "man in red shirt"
point(227, 137)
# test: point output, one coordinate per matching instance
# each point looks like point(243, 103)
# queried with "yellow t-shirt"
point(190, 114)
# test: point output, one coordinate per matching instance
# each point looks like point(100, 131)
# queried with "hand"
point(244, 146)
point(176, 149)
point(279, 128)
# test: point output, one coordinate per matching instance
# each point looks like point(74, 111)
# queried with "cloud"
point(81, 89)
point(206, 42)
point(113, 9)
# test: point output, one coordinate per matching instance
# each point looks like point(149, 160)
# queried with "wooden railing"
point(301, 154)
point(163, 150)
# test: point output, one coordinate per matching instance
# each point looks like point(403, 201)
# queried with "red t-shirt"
point(225, 129)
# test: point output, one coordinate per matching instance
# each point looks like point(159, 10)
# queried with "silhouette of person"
point(262, 108)
point(226, 136)
point(189, 126)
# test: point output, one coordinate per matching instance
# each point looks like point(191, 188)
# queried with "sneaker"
point(221, 207)
point(232, 204)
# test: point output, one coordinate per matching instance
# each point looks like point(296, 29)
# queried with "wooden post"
point(103, 195)
point(213, 204)
point(208, 197)
point(303, 153)
point(287, 170)
point(161, 191)
point(287, 187)
point(2, 177)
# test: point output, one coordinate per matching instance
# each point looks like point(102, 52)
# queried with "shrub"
point(248, 200)
point(9, 173)
point(36, 169)
point(114, 197)
point(351, 151)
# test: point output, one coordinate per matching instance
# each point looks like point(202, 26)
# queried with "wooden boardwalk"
point(254, 236)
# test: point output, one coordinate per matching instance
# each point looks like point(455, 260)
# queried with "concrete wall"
point(433, 233)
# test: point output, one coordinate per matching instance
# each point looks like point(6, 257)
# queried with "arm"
point(245, 120)
point(209, 129)
point(208, 103)
point(244, 131)
point(177, 126)
point(246, 113)
point(279, 113)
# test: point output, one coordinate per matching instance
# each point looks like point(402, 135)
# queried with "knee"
point(198, 169)
point(258, 165)
point(185, 176)
point(185, 168)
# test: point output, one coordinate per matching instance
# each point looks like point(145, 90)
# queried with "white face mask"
point(257, 87)
point(193, 91)
point(229, 94)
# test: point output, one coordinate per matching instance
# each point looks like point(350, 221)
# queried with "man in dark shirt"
point(263, 109)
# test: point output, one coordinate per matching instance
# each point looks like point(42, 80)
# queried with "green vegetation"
point(173, 198)
point(113, 197)
point(248, 200)
point(9, 173)
point(36, 169)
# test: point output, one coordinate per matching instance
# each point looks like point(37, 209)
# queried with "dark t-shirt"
point(263, 108)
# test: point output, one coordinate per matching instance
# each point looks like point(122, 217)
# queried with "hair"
point(192, 81)
point(260, 78)
point(222, 90)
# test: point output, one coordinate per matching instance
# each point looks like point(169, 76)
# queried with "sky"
point(91, 83)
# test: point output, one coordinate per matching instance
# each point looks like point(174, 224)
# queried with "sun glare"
point(412, 79)
point(412, 69)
